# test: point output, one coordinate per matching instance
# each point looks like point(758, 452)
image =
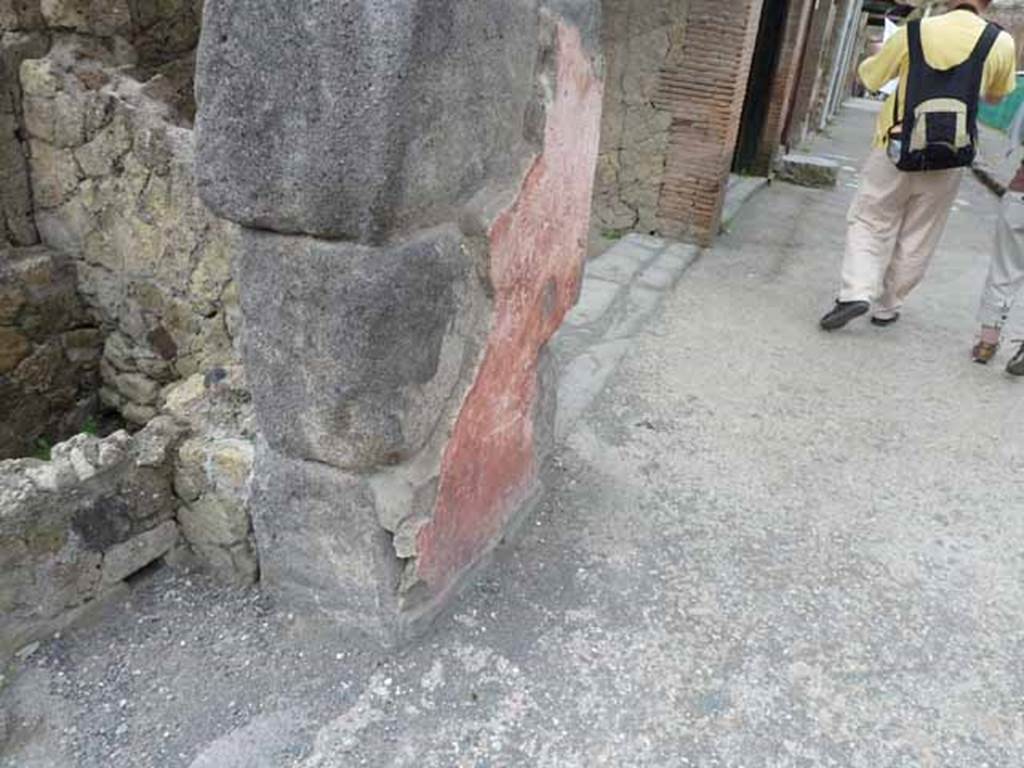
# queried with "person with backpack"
point(926, 135)
point(1005, 279)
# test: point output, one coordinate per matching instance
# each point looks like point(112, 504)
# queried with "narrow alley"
point(763, 546)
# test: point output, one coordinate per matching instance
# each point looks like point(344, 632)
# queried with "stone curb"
point(741, 189)
point(621, 290)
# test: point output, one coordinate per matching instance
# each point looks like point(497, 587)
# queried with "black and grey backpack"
point(940, 121)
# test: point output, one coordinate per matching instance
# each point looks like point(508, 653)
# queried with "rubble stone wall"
point(213, 471)
point(96, 111)
point(112, 181)
point(73, 528)
point(49, 353)
point(640, 38)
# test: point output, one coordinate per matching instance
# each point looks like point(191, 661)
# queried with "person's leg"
point(1005, 277)
point(1006, 270)
point(873, 224)
point(927, 212)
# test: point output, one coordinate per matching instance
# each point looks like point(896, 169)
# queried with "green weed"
point(42, 449)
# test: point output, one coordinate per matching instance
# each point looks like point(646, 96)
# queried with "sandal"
point(984, 351)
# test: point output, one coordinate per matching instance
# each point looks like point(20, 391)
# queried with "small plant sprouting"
point(43, 448)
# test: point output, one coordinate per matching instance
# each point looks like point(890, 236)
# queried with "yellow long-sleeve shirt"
point(947, 40)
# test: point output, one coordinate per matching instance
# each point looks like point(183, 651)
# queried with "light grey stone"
point(620, 263)
point(138, 414)
point(122, 560)
point(640, 303)
point(596, 296)
point(807, 170)
point(81, 453)
point(114, 449)
point(427, 102)
point(137, 388)
point(189, 471)
point(677, 257)
point(54, 174)
point(648, 242)
point(20, 14)
point(100, 156)
point(214, 520)
point(657, 277)
point(321, 546)
point(155, 445)
point(583, 379)
point(245, 566)
point(669, 266)
point(53, 475)
point(740, 190)
point(97, 17)
point(353, 352)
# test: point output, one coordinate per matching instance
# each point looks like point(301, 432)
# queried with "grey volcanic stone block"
point(356, 118)
point(808, 170)
point(321, 545)
point(352, 351)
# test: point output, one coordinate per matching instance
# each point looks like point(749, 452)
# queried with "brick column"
point(704, 92)
point(784, 83)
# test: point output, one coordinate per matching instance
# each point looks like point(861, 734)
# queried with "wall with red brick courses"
point(704, 90)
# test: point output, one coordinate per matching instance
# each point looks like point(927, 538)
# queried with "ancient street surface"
point(763, 546)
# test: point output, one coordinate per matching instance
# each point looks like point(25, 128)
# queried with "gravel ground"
point(762, 546)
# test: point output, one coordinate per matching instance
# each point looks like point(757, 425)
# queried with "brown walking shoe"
point(983, 352)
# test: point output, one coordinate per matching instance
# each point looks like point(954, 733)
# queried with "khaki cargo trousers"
point(894, 227)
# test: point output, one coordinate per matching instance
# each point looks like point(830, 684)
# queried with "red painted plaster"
point(538, 247)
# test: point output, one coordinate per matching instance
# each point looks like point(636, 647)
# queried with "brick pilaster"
point(704, 91)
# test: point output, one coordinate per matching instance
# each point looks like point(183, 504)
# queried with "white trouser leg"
point(1006, 270)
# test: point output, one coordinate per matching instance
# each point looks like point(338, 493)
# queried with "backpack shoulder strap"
point(986, 42)
point(914, 46)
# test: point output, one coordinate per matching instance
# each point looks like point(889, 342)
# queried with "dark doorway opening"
point(749, 159)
